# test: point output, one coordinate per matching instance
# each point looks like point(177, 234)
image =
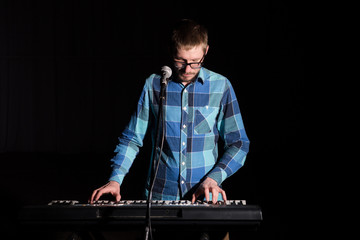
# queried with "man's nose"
point(188, 68)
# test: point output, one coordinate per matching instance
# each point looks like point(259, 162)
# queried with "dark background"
point(71, 73)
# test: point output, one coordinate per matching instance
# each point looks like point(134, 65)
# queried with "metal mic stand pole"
point(160, 119)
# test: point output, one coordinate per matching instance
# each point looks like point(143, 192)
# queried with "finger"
point(193, 199)
point(93, 196)
point(215, 195)
point(207, 195)
point(223, 195)
point(118, 197)
point(99, 194)
point(195, 196)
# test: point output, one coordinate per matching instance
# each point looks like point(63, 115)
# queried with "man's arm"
point(129, 145)
point(232, 132)
point(131, 139)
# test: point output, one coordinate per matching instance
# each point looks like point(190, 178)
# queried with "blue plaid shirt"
point(196, 116)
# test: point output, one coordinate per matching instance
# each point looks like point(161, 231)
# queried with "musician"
point(200, 108)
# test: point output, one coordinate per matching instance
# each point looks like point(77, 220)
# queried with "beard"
point(186, 76)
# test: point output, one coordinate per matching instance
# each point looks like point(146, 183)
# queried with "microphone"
point(166, 73)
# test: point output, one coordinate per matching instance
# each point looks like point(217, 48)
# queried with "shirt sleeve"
point(132, 137)
point(232, 132)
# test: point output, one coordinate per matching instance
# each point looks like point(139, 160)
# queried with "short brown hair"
point(188, 34)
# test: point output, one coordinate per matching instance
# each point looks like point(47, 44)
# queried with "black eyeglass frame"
point(184, 64)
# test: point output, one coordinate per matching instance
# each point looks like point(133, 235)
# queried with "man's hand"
point(111, 187)
point(207, 186)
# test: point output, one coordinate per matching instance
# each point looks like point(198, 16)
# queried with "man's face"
point(194, 55)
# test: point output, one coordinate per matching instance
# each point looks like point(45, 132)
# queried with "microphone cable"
point(161, 118)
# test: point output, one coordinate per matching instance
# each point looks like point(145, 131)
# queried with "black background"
point(71, 73)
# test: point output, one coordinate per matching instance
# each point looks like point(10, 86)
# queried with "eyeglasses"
point(193, 65)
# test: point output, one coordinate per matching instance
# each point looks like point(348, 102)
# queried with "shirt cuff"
point(218, 174)
point(116, 177)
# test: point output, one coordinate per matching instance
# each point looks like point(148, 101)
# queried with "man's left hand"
point(207, 186)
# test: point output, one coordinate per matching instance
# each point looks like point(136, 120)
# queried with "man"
point(200, 108)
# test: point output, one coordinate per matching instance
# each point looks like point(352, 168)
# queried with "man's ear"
point(207, 49)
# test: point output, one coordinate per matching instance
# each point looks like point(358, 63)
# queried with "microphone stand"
point(160, 121)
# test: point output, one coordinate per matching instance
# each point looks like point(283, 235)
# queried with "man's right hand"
point(111, 187)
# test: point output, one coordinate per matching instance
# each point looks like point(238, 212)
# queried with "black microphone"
point(166, 73)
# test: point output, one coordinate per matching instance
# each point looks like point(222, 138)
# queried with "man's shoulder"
point(215, 79)
point(213, 76)
point(153, 81)
point(153, 77)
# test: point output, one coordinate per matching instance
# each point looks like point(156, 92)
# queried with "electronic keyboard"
point(126, 214)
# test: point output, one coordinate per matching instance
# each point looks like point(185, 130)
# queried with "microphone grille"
point(166, 71)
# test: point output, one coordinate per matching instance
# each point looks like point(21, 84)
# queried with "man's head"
point(189, 45)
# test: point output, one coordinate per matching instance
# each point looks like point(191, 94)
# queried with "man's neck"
point(185, 83)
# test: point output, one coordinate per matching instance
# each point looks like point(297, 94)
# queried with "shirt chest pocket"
point(205, 119)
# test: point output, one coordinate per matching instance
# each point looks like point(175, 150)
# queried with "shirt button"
point(207, 107)
point(183, 143)
point(184, 108)
point(185, 90)
point(183, 163)
point(182, 182)
point(184, 126)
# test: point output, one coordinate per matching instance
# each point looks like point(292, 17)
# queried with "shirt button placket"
point(183, 140)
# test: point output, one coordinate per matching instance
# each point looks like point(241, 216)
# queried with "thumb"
point(193, 198)
point(118, 197)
